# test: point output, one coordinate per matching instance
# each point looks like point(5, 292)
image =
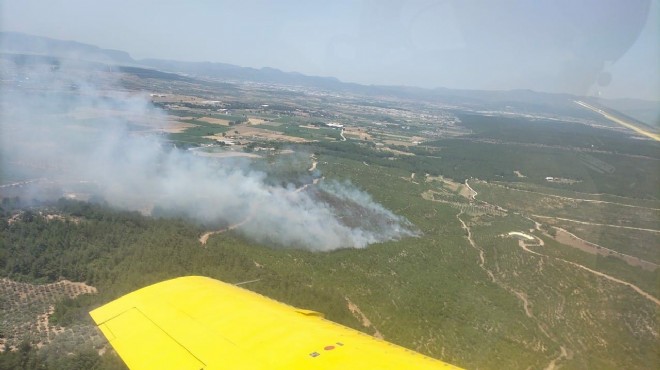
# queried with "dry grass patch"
point(214, 121)
point(256, 121)
point(357, 133)
point(263, 134)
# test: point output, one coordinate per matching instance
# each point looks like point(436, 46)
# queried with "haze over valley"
point(488, 228)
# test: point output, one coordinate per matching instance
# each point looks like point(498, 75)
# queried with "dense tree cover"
point(620, 172)
point(556, 134)
point(425, 293)
point(73, 310)
point(118, 252)
point(28, 358)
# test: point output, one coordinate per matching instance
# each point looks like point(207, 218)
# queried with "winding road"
point(525, 246)
point(637, 289)
point(473, 193)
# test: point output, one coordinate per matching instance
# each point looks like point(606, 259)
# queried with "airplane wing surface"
point(197, 323)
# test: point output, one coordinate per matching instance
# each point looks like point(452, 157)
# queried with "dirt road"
point(553, 364)
point(482, 258)
point(357, 313)
point(473, 194)
point(568, 238)
point(597, 224)
point(205, 237)
point(646, 295)
point(574, 199)
point(522, 296)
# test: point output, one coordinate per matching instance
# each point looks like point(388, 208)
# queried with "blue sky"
point(545, 45)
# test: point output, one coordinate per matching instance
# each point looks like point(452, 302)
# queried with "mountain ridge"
point(21, 43)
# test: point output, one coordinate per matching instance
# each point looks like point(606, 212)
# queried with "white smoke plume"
point(68, 126)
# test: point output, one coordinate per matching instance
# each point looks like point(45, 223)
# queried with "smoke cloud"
point(70, 129)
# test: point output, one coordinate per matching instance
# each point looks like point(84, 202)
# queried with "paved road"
point(619, 121)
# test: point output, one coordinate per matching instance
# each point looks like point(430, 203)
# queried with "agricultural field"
point(30, 308)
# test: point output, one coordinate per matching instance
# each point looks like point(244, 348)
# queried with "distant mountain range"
point(22, 44)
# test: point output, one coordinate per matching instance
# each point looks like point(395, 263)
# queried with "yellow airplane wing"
point(197, 323)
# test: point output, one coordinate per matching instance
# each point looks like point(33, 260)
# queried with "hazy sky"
point(551, 45)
